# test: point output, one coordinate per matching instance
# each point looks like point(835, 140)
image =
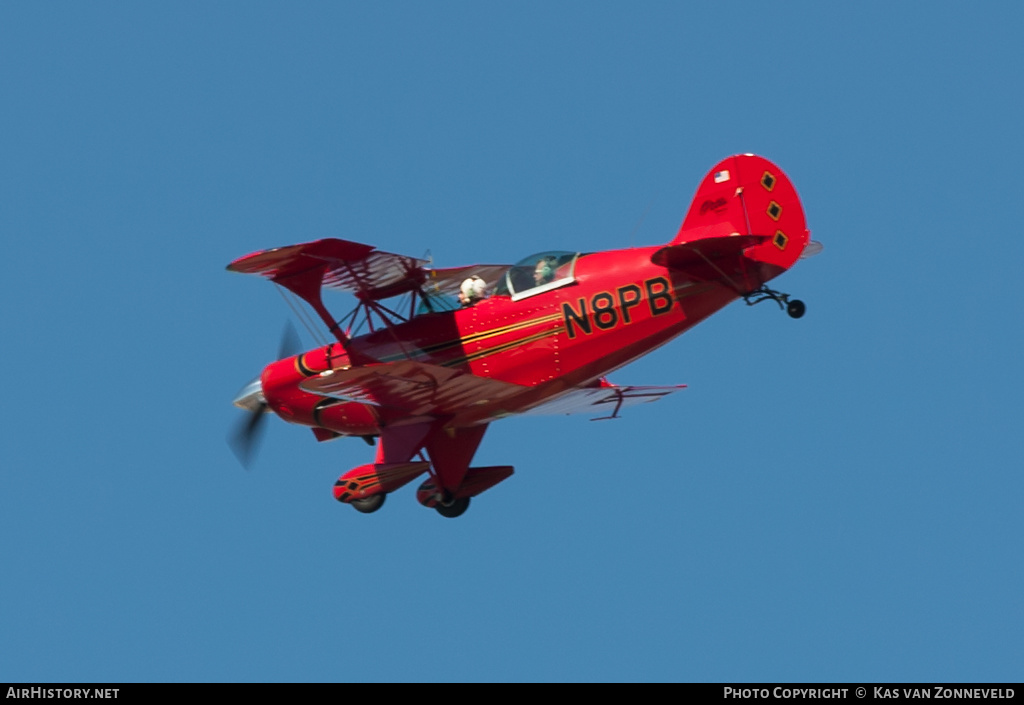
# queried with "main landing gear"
point(795, 308)
point(369, 505)
point(449, 507)
point(367, 486)
point(453, 507)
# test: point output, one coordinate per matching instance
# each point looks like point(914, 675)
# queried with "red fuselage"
point(554, 325)
point(620, 306)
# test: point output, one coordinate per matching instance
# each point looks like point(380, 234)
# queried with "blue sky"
point(831, 499)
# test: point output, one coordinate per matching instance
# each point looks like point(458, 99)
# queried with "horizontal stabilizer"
point(607, 399)
point(726, 260)
point(701, 252)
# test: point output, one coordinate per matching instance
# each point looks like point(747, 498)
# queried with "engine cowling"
point(279, 384)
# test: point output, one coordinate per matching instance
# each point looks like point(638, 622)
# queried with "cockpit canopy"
point(532, 275)
point(538, 273)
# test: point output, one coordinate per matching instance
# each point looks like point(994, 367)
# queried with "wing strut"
point(306, 285)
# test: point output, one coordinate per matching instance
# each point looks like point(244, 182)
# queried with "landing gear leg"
point(794, 308)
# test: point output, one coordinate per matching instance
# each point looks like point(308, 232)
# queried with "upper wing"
point(336, 264)
point(607, 399)
point(361, 269)
point(448, 281)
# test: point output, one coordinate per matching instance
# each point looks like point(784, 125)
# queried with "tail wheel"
point(794, 308)
point(368, 505)
point(454, 508)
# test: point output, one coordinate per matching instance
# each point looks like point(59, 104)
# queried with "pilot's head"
point(545, 271)
point(472, 290)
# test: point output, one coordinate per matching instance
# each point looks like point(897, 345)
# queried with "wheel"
point(796, 308)
point(368, 505)
point(454, 508)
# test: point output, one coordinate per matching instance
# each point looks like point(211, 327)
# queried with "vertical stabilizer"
point(749, 195)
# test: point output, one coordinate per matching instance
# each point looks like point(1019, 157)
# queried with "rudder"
point(749, 195)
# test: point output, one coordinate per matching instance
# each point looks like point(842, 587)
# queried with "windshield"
point(540, 272)
point(436, 303)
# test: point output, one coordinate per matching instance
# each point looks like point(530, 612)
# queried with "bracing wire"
point(303, 317)
point(633, 232)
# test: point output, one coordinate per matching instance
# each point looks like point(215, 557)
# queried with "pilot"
point(545, 271)
point(472, 290)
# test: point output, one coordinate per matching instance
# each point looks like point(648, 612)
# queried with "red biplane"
point(454, 349)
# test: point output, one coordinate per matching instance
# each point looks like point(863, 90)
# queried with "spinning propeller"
point(247, 434)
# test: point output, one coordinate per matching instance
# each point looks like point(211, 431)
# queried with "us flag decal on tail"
point(721, 176)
